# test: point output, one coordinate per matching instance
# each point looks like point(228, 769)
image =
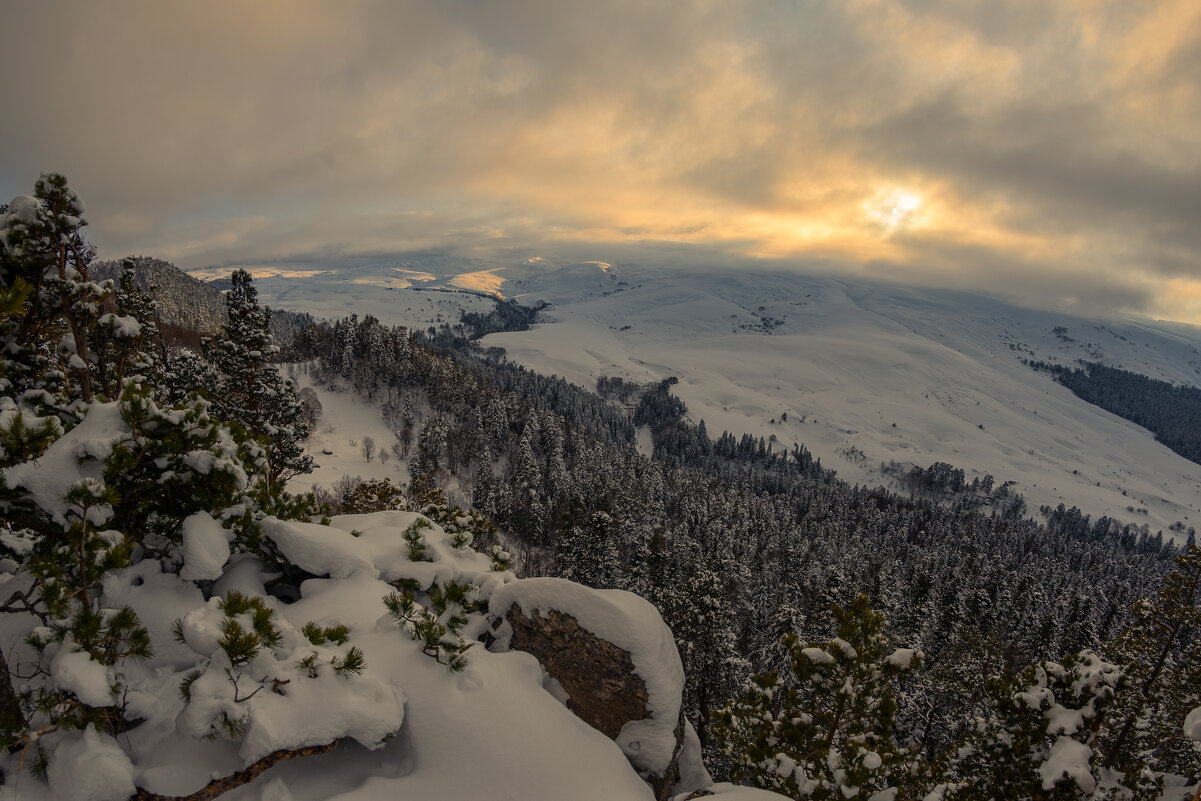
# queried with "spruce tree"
point(587, 550)
point(702, 620)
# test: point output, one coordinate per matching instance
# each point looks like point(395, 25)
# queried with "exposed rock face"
point(599, 678)
point(597, 675)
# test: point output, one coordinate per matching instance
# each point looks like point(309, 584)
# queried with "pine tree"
point(826, 734)
point(170, 464)
point(186, 372)
point(42, 243)
point(126, 343)
point(1037, 742)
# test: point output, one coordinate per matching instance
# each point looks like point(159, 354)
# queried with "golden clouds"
point(974, 142)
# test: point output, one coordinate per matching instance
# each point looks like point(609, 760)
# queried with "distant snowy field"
point(866, 373)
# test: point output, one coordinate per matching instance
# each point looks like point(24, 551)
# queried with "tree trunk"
point(12, 721)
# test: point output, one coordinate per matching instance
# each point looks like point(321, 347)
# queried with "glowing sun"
point(894, 208)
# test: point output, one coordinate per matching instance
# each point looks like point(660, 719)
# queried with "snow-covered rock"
point(321, 550)
point(613, 655)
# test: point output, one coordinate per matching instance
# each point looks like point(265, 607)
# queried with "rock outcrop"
point(615, 661)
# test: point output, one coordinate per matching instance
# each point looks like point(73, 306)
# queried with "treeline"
point(1171, 412)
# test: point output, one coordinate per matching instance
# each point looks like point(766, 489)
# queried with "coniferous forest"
point(743, 546)
point(939, 645)
point(1172, 413)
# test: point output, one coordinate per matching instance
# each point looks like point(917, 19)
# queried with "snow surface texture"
point(345, 420)
point(456, 731)
point(845, 360)
point(632, 624)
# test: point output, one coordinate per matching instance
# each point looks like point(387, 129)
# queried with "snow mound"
point(1192, 725)
point(77, 672)
point(1069, 758)
point(91, 767)
point(205, 548)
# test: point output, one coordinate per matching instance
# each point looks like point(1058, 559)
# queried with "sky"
point(1049, 150)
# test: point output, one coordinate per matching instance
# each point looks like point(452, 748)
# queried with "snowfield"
point(867, 374)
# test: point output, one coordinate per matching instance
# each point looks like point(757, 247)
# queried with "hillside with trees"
point(177, 622)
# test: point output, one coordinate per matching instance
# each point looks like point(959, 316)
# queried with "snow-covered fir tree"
point(249, 389)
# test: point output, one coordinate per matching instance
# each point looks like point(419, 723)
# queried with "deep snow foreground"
point(414, 729)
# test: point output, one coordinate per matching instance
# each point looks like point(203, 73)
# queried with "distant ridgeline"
point(190, 308)
point(1172, 413)
point(183, 301)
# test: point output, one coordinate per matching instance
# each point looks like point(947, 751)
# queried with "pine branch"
point(248, 774)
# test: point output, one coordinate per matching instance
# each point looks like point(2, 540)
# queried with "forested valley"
point(836, 641)
point(741, 543)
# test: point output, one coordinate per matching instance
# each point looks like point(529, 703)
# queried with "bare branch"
point(223, 785)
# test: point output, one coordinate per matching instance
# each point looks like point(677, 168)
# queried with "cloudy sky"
point(1045, 148)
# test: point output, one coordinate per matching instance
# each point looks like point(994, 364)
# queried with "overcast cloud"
point(1045, 148)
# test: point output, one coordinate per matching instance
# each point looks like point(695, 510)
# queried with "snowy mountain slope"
point(335, 443)
point(866, 373)
point(873, 374)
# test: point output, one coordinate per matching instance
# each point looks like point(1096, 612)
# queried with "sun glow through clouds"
point(895, 209)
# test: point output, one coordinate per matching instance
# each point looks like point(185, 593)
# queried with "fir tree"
point(250, 390)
